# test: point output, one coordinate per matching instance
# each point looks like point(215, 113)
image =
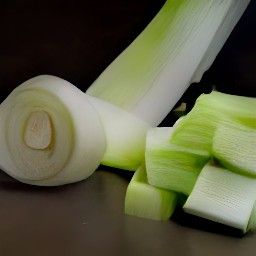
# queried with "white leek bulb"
point(125, 135)
point(51, 133)
point(45, 138)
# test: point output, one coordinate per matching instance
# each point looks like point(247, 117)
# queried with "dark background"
point(76, 40)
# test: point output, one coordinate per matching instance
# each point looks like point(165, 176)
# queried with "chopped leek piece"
point(222, 196)
point(197, 128)
point(146, 201)
point(235, 147)
point(252, 221)
point(173, 51)
point(170, 166)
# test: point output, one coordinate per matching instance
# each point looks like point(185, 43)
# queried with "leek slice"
point(235, 148)
point(173, 51)
point(252, 220)
point(170, 166)
point(197, 128)
point(146, 201)
point(222, 196)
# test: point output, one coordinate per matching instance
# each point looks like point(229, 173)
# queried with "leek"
point(252, 220)
point(215, 142)
point(222, 196)
point(125, 136)
point(51, 133)
point(170, 166)
point(173, 51)
point(198, 127)
point(47, 140)
point(235, 148)
point(219, 126)
point(146, 201)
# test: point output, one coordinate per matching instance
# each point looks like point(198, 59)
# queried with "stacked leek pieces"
point(208, 158)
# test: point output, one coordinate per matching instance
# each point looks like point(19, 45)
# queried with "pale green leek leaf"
point(170, 166)
point(174, 50)
point(197, 128)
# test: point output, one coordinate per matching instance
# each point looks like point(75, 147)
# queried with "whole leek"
point(48, 137)
point(51, 133)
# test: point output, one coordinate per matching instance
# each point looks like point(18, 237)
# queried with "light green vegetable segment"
point(146, 201)
point(209, 155)
point(170, 166)
point(223, 196)
point(173, 51)
point(235, 148)
point(252, 221)
point(197, 128)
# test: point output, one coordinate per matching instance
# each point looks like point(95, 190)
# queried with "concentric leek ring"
point(50, 133)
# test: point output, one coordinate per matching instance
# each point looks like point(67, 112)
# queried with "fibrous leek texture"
point(146, 201)
point(235, 148)
point(51, 133)
point(171, 166)
point(197, 128)
point(219, 133)
point(173, 51)
point(223, 196)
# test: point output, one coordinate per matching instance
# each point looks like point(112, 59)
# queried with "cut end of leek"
point(252, 221)
point(38, 130)
point(146, 201)
point(222, 196)
point(50, 133)
point(235, 148)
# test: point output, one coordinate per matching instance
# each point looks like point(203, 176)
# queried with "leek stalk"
point(173, 51)
point(46, 139)
point(47, 125)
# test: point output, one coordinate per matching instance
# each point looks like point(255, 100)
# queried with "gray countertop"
point(87, 218)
